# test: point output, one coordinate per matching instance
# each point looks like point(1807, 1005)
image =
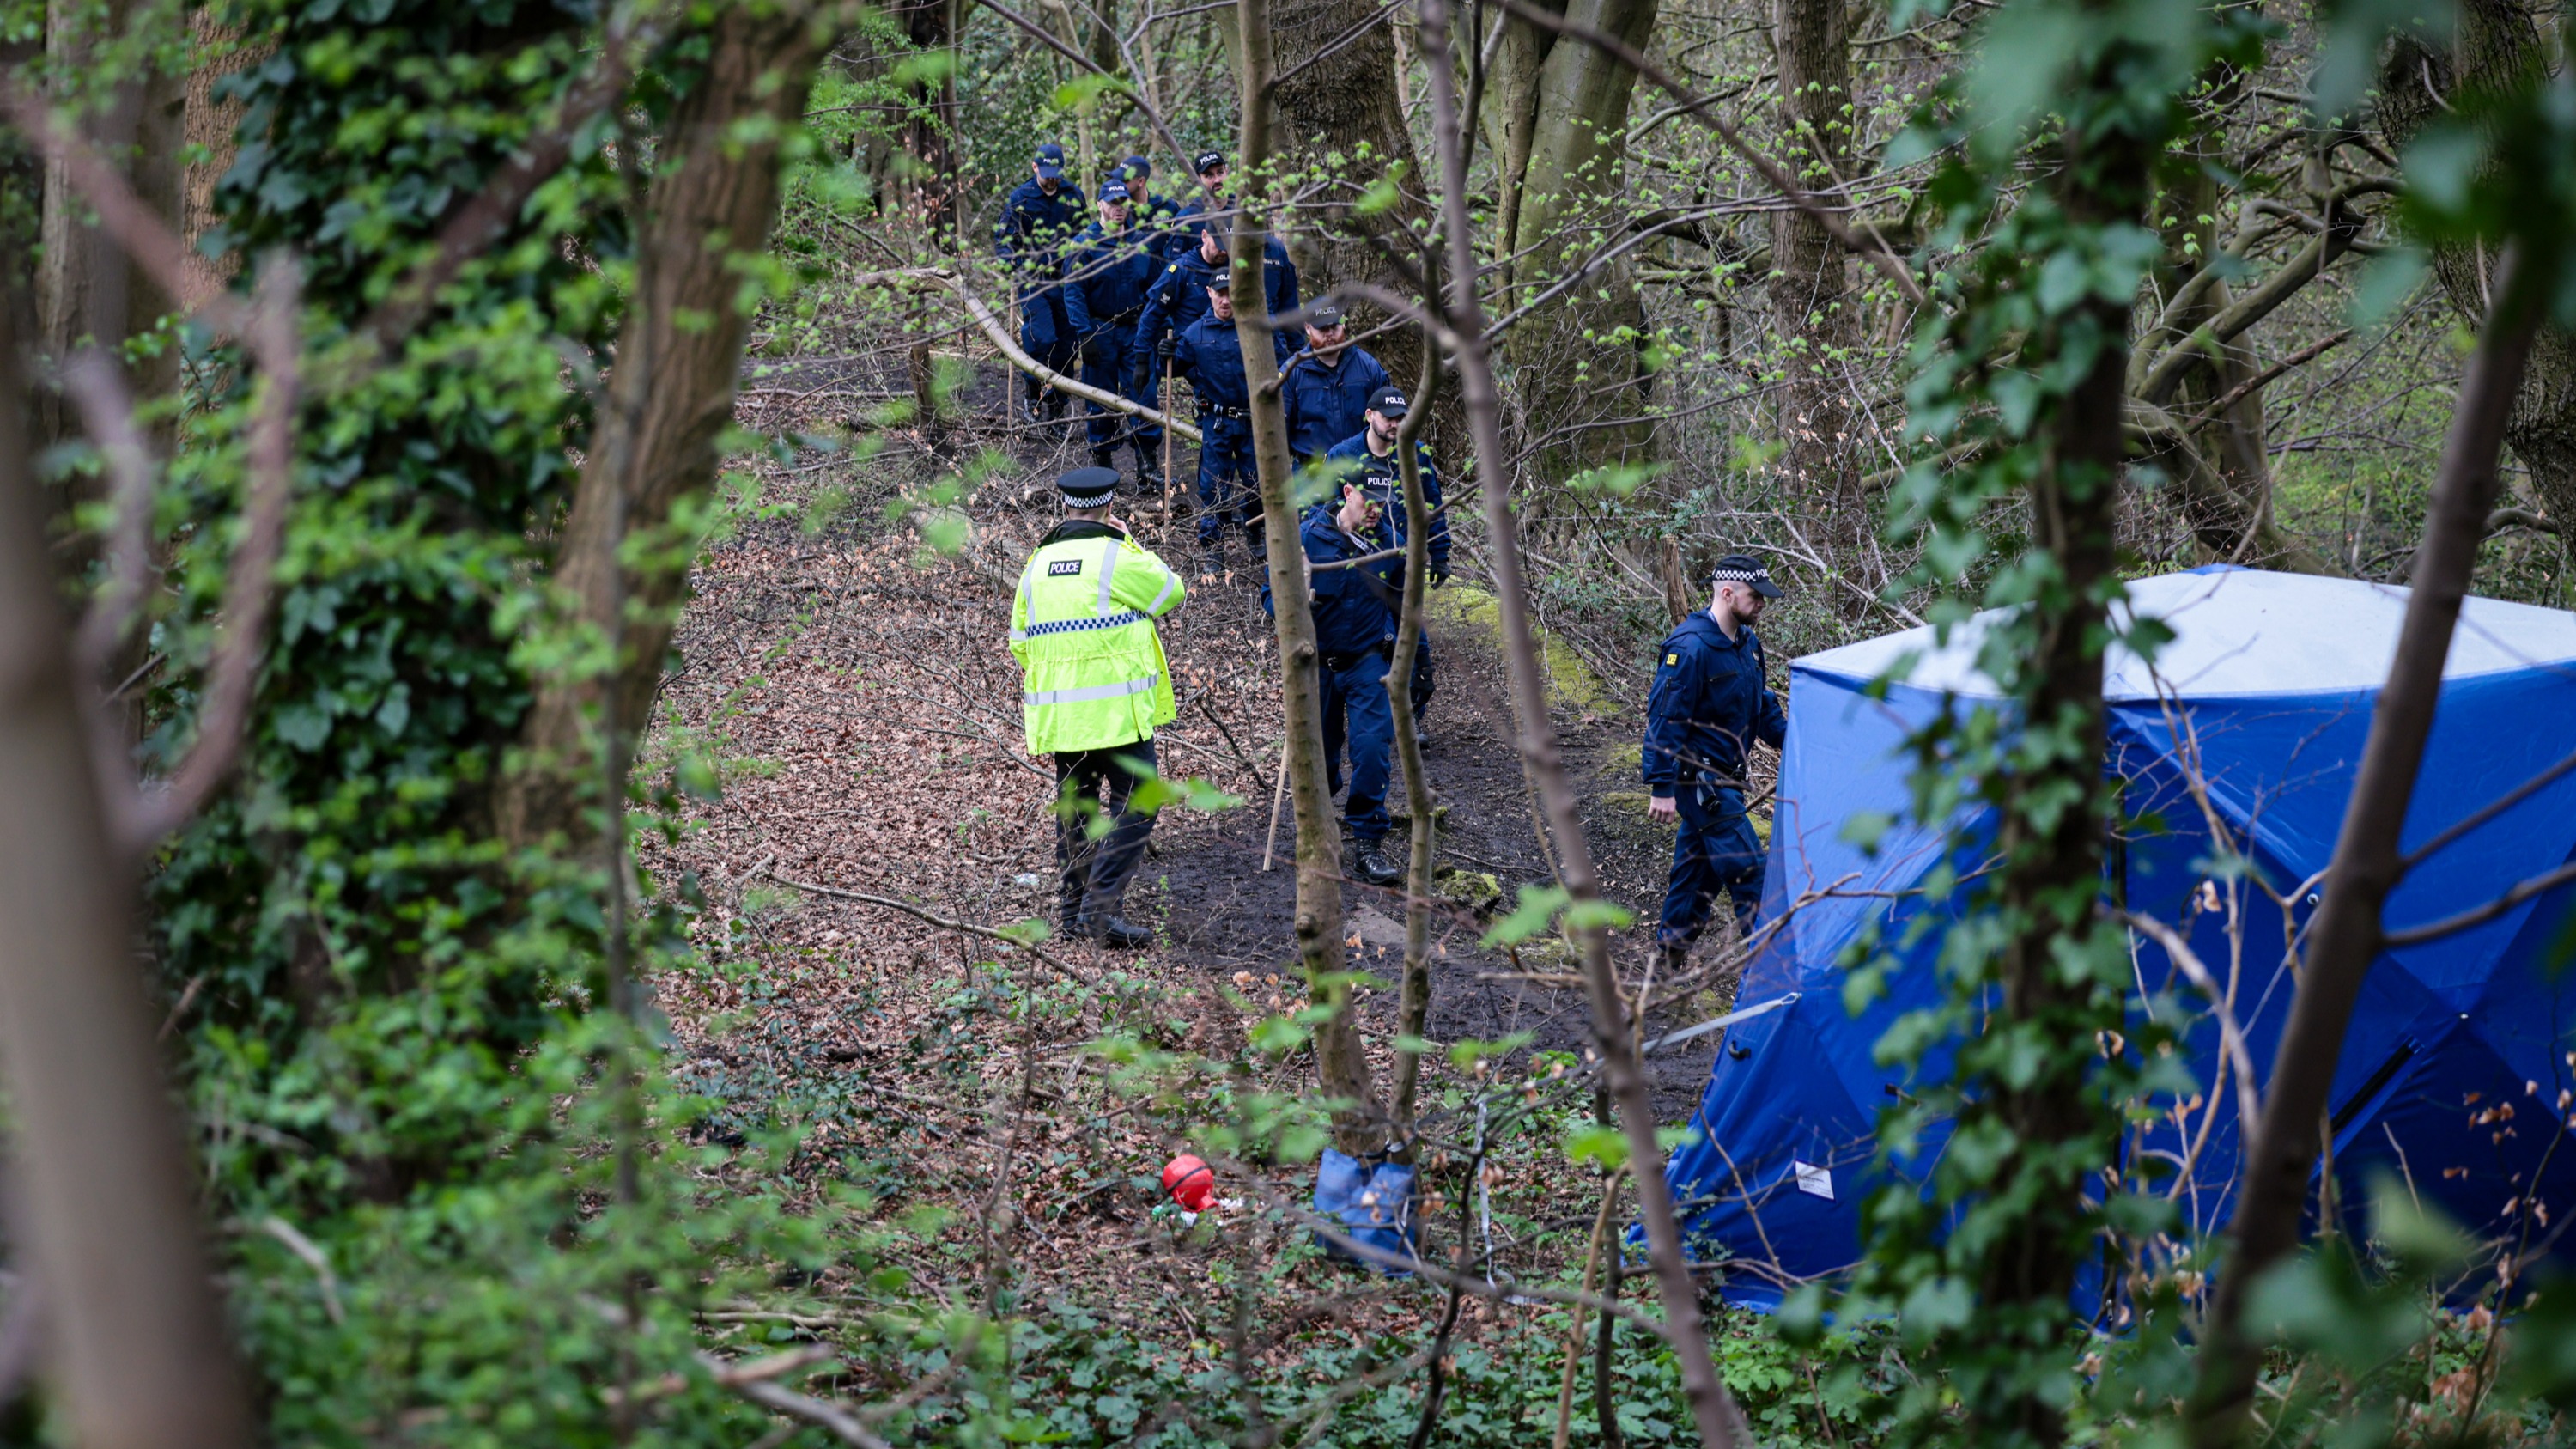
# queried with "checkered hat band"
point(1742, 576)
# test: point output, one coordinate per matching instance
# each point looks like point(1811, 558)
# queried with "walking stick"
point(1167, 474)
point(1278, 793)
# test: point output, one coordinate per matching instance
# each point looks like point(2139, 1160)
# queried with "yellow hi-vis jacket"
point(1092, 667)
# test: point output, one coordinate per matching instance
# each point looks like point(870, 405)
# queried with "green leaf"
point(1537, 908)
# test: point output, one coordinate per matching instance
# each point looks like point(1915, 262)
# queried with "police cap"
point(1088, 487)
point(1744, 568)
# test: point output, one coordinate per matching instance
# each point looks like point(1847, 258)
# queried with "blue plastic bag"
point(1373, 1203)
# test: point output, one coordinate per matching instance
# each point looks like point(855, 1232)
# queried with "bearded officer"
point(1095, 685)
point(1371, 451)
point(1709, 704)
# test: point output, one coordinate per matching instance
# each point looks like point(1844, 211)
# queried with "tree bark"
point(1350, 106)
point(1555, 112)
point(141, 1350)
point(2495, 43)
point(670, 396)
point(1713, 1409)
point(1358, 1120)
point(1811, 311)
point(2345, 935)
point(1413, 1000)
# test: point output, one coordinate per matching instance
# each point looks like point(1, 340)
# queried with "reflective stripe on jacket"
point(1082, 627)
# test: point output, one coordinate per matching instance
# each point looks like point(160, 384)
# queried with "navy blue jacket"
point(1708, 705)
point(1114, 270)
point(1325, 403)
point(1354, 450)
point(1036, 230)
point(1350, 616)
point(1179, 296)
point(1209, 354)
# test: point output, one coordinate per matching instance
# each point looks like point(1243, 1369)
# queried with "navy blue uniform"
point(1707, 707)
point(1351, 458)
point(1114, 272)
point(1325, 402)
point(1033, 238)
point(1179, 295)
point(1208, 354)
point(1354, 631)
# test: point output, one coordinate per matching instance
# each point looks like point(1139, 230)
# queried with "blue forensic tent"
point(2265, 695)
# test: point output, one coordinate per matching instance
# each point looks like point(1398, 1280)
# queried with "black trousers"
point(1093, 864)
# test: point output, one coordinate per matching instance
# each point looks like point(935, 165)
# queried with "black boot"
point(1103, 457)
point(1149, 469)
point(1118, 933)
point(1372, 862)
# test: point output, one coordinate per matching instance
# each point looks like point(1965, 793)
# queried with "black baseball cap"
point(1324, 315)
point(1137, 168)
point(1087, 487)
point(1113, 189)
point(1207, 161)
point(1050, 161)
point(1388, 403)
point(1744, 568)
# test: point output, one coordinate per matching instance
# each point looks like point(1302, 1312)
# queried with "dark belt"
point(1240, 415)
point(1339, 662)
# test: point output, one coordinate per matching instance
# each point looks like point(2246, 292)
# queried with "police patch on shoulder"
point(1672, 659)
point(1059, 568)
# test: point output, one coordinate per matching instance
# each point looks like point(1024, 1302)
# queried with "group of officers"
point(1143, 290)
point(1140, 292)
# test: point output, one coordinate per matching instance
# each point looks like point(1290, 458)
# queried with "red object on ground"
point(1190, 1182)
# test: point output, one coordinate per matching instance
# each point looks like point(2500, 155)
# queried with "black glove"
point(1140, 378)
point(1436, 575)
point(1163, 347)
point(1095, 348)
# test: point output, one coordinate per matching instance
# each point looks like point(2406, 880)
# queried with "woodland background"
point(433, 425)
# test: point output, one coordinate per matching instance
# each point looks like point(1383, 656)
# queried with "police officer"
point(1208, 354)
point(1210, 167)
point(1179, 296)
point(1157, 213)
point(1328, 385)
point(1113, 261)
point(1371, 452)
point(1038, 224)
point(1708, 705)
point(1095, 685)
point(1354, 633)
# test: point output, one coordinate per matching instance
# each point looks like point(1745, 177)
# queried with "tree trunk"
point(103, 1196)
point(1358, 1123)
point(1811, 311)
point(1623, 1074)
point(2344, 937)
point(930, 125)
point(1349, 105)
point(670, 396)
point(2495, 43)
point(1555, 113)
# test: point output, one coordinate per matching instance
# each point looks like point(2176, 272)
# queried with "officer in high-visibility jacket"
point(1094, 687)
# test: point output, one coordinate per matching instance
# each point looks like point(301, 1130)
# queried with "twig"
point(943, 922)
point(107, 414)
point(310, 1254)
point(829, 1417)
point(1278, 793)
point(2478, 915)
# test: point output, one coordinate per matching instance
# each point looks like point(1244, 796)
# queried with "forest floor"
point(853, 689)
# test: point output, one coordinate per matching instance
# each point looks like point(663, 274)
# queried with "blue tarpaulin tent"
point(2250, 722)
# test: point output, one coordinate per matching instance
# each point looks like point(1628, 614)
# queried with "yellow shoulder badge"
point(1672, 659)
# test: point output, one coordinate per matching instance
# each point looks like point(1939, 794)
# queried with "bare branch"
point(2538, 885)
point(829, 1417)
point(232, 674)
point(107, 413)
point(933, 918)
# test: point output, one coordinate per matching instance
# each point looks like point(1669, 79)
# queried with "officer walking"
point(1179, 295)
point(1209, 355)
point(1354, 633)
point(1113, 261)
point(1708, 705)
point(1158, 214)
point(1371, 453)
point(1095, 685)
point(1038, 224)
point(1328, 385)
point(1210, 168)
